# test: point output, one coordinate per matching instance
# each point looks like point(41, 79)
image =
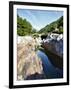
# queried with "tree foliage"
point(23, 27)
point(51, 27)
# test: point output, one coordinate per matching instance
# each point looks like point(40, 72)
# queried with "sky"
point(39, 18)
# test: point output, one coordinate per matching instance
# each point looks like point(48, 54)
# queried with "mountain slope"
point(52, 26)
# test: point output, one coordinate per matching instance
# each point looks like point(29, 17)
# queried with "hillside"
point(52, 26)
point(23, 26)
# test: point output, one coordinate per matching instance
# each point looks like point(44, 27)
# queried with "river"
point(48, 68)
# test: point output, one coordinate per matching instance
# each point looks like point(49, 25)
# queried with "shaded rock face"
point(28, 63)
point(55, 47)
point(54, 43)
point(36, 76)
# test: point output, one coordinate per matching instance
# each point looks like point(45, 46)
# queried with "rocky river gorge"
point(33, 63)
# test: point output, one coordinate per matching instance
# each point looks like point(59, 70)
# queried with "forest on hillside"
point(24, 27)
point(51, 27)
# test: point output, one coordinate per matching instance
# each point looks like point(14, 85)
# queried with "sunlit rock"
point(28, 63)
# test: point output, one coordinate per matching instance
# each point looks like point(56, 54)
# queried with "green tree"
point(23, 26)
point(52, 26)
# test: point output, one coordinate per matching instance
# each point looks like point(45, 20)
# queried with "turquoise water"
point(48, 68)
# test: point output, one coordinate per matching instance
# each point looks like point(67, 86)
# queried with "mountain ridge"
point(55, 24)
